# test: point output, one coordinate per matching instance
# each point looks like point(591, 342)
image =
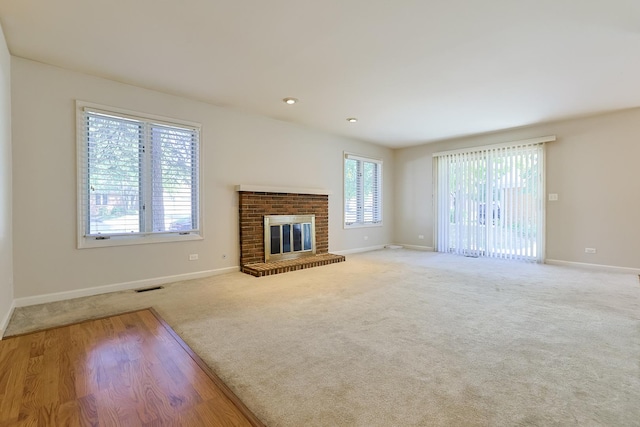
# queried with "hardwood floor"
point(126, 370)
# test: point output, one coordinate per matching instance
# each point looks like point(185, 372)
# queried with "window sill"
point(378, 224)
point(89, 242)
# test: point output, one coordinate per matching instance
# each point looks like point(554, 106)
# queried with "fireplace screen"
point(289, 236)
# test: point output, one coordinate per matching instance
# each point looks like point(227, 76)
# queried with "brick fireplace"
point(256, 202)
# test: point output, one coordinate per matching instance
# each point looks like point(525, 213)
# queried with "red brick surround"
point(255, 205)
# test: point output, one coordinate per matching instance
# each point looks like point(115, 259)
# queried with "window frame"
point(85, 241)
point(379, 184)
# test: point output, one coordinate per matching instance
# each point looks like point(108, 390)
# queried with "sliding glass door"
point(490, 201)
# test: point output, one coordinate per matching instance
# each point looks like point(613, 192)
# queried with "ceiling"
point(411, 71)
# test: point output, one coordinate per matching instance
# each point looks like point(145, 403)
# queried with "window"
point(362, 191)
point(138, 178)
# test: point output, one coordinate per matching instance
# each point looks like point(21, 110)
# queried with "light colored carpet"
point(403, 338)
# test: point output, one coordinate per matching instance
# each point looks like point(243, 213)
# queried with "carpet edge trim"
point(250, 416)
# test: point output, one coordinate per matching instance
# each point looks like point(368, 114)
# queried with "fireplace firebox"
point(289, 236)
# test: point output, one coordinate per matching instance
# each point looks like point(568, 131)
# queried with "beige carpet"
point(402, 338)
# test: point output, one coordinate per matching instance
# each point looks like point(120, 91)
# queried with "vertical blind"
point(490, 201)
point(137, 176)
point(362, 190)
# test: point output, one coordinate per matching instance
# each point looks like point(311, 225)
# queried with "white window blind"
point(490, 201)
point(362, 191)
point(138, 176)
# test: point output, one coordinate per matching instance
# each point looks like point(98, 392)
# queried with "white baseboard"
point(417, 248)
point(61, 296)
point(358, 250)
point(378, 247)
point(5, 322)
point(601, 267)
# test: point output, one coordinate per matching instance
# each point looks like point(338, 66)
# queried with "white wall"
point(593, 166)
point(6, 258)
point(237, 149)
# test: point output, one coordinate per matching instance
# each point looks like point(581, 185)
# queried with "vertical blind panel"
point(445, 209)
point(137, 177)
point(490, 202)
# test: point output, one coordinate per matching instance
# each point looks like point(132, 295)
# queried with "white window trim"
point(87, 242)
point(349, 155)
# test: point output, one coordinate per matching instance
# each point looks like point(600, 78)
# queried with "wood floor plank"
point(66, 371)
point(126, 370)
point(50, 372)
point(37, 344)
point(14, 367)
point(83, 344)
point(88, 410)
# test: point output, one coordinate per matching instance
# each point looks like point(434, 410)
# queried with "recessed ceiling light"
point(290, 101)
point(352, 120)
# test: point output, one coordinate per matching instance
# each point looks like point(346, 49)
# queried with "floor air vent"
point(153, 288)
